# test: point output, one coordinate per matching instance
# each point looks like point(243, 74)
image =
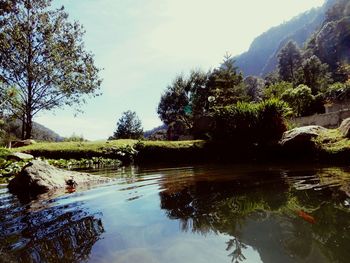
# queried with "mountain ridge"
point(261, 57)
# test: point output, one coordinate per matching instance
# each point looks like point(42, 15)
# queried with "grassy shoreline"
point(330, 147)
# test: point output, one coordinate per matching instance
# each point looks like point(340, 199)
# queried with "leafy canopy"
point(43, 56)
point(128, 127)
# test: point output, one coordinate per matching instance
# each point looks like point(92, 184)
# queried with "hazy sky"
point(143, 44)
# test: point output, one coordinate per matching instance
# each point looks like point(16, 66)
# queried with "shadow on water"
point(287, 216)
point(45, 231)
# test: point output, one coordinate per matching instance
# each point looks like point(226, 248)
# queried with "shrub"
point(74, 138)
point(299, 99)
point(276, 90)
point(251, 122)
point(338, 91)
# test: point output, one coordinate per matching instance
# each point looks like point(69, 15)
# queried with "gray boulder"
point(301, 137)
point(20, 156)
point(344, 128)
point(39, 177)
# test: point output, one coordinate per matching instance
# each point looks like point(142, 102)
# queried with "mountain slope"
point(261, 57)
point(40, 132)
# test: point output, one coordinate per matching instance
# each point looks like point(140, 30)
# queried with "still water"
point(186, 214)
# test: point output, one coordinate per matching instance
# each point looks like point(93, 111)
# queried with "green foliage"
point(289, 60)
point(331, 42)
point(183, 99)
point(225, 85)
point(314, 74)
point(251, 122)
point(4, 153)
point(75, 138)
point(10, 168)
point(299, 98)
point(43, 56)
point(254, 88)
point(277, 89)
point(94, 162)
point(128, 127)
point(338, 91)
point(190, 98)
point(125, 153)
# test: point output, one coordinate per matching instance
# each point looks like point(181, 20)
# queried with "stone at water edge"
point(16, 144)
point(344, 128)
point(17, 156)
point(39, 177)
point(301, 136)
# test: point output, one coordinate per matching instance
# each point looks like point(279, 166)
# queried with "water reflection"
point(226, 214)
point(269, 212)
point(44, 231)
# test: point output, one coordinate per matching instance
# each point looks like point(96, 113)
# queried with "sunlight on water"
point(186, 214)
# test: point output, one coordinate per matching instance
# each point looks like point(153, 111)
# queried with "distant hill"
point(261, 58)
point(148, 134)
point(40, 132)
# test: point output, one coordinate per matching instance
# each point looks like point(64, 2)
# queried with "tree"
point(184, 99)
point(299, 98)
point(277, 89)
point(289, 60)
point(128, 126)
point(314, 74)
point(254, 88)
point(225, 84)
point(43, 56)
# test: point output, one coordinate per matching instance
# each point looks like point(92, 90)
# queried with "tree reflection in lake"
point(44, 231)
point(269, 213)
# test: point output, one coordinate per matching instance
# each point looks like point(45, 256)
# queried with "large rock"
point(344, 128)
point(39, 177)
point(301, 137)
point(20, 156)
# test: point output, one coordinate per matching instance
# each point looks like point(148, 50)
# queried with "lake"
point(242, 213)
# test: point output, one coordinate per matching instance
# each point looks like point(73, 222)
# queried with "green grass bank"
point(330, 146)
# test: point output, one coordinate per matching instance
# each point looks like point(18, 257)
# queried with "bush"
point(276, 90)
point(299, 99)
point(338, 91)
point(75, 138)
point(251, 122)
point(4, 153)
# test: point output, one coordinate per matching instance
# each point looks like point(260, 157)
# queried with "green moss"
point(332, 142)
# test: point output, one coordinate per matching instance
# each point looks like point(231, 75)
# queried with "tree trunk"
point(23, 126)
point(28, 125)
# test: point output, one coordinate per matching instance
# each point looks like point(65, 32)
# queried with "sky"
point(142, 45)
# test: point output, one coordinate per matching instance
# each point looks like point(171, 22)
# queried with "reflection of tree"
point(237, 246)
point(264, 212)
point(222, 206)
point(215, 205)
point(54, 234)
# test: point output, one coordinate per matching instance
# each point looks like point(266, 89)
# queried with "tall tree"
point(43, 56)
point(184, 99)
point(289, 60)
point(314, 74)
point(225, 84)
point(254, 88)
point(128, 127)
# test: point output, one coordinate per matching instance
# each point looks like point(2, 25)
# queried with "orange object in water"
point(306, 217)
point(70, 189)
